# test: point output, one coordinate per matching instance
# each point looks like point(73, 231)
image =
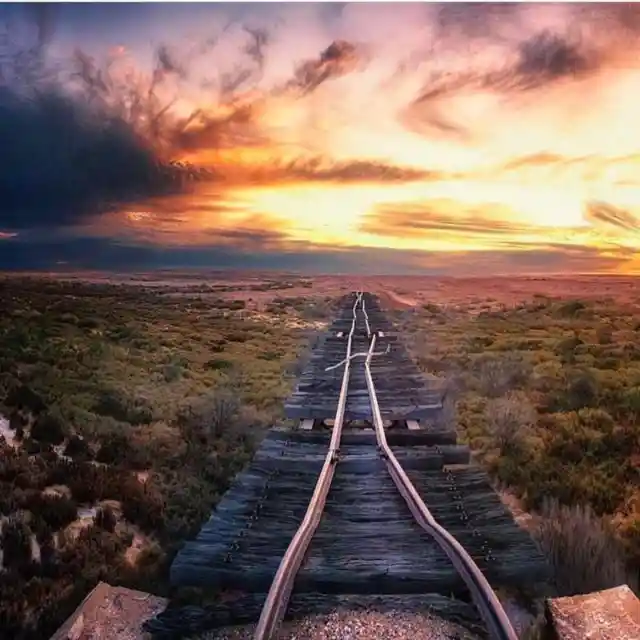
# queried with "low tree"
point(209, 416)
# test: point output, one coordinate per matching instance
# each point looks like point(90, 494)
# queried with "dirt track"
point(392, 300)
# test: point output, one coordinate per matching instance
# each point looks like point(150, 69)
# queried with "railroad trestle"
point(369, 501)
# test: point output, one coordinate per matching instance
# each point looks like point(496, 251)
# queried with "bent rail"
point(277, 599)
point(484, 598)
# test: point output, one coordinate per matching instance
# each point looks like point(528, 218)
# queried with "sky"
point(457, 138)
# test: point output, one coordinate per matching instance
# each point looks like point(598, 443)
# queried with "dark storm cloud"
point(126, 256)
point(60, 164)
point(110, 255)
point(338, 59)
point(66, 156)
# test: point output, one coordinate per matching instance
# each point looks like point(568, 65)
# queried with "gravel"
point(357, 625)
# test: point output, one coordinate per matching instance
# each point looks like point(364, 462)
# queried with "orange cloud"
point(423, 219)
point(500, 130)
point(601, 212)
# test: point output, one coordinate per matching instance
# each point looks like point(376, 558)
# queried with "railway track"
point(335, 513)
point(277, 600)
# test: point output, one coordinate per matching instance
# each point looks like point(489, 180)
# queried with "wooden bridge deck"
point(241, 545)
point(403, 392)
point(367, 547)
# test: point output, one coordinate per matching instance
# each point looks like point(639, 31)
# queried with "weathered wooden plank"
point(395, 437)
point(363, 512)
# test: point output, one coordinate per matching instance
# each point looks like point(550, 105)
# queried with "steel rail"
point(366, 318)
point(361, 354)
point(277, 600)
point(484, 597)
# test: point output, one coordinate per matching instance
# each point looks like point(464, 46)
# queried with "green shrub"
point(114, 404)
point(23, 397)
point(49, 428)
point(218, 364)
point(56, 511)
point(497, 375)
point(210, 415)
point(15, 542)
point(77, 448)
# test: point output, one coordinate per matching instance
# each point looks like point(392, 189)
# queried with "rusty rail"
point(485, 599)
point(277, 600)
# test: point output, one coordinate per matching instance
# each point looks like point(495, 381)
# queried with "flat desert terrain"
point(259, 288)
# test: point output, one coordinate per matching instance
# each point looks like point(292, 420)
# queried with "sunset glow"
point(510, 131)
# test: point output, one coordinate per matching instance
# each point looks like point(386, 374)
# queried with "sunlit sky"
point(452, 138)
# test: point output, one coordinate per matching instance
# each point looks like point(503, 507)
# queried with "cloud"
point(110, 255)
point(501, 128)
point(338, 59)
point(241, 102)
point(447, 218)
point(540, 60)
point(61, 164)
point(512, 51)
point(325, 170)
point(541, 159)
point(67, 156)
point(542, 260)
point(547, 57)
point(610, 215)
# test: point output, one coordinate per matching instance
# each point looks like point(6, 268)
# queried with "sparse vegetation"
point(130, 412)
point(548, 400)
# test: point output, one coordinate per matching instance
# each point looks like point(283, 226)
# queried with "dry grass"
point(582, 548)
point(510, 419)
